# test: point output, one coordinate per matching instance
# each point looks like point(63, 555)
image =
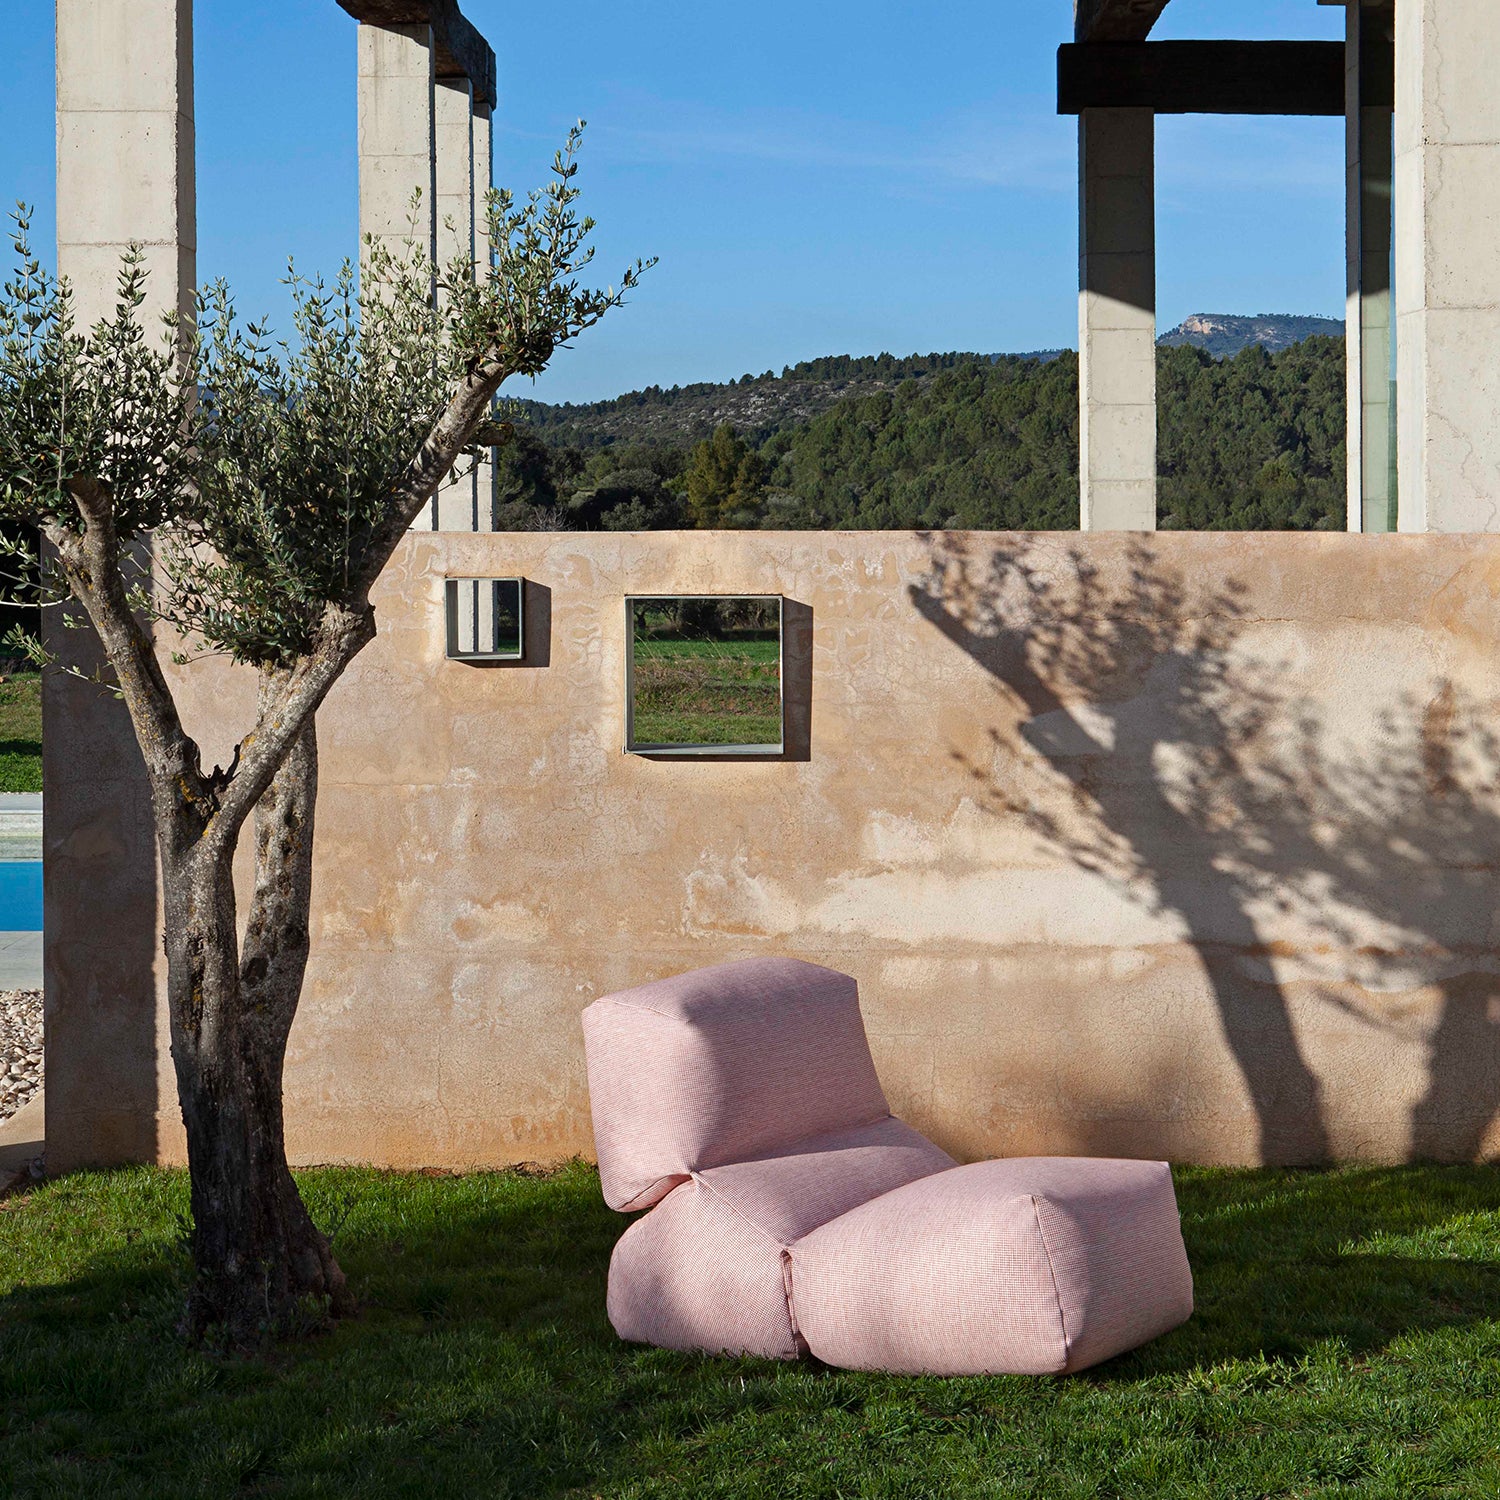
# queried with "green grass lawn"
point(21, 733)
point(721, 692)
point(1347, 1343)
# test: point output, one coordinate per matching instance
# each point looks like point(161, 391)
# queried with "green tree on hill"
point(981, 445)
point(725, 481)
point(1253, 443)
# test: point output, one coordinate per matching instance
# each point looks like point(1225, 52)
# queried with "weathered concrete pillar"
point(484, 477)
point(457, 501)
point(454, 169)
point(1369, 317)
point(125, 147)
point(1447, 208)
point(124, 173)
point(397, 148)
point(1117, 320)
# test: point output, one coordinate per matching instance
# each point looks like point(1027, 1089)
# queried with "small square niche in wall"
point(484, 619)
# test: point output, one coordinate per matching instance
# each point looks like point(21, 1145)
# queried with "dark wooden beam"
point(461, 52)
point(1202, 78)
point(1377, 59)
point(1115, 20)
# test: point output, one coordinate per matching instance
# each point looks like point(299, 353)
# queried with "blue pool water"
point(21, 895)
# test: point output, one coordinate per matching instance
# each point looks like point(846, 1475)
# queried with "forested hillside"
point(1253, 443)
point(984, 445)
point(755, 405)
point(1249, 443)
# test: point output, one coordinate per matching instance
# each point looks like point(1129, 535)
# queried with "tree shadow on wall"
point(1194, 781)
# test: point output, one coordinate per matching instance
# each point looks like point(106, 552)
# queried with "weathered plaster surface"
point(1175, 846)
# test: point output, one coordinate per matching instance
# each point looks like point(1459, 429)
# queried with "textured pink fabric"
point(1031, 1266)
point(808, 1183)
point(705, 1269)
point(719, 1065)
point(1115, 1242)
point(792, 1211)
point(693, 1274)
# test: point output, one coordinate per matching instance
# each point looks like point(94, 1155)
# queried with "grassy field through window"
point(21, 733)
point(706, 672)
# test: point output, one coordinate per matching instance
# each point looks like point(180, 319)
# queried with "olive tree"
point(210, 489)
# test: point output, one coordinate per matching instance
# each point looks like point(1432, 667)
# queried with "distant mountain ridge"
point(756, 406)
point(760, 406)
point(987, 442)
point(1224, 335)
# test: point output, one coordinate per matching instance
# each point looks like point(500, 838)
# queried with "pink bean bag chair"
point(790, 1212)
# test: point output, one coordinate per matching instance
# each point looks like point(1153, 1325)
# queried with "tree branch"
point(274, 954)
point(346, 629)
point(343, 633)
point(495, 434)
point(91, 564)
point(453, 431)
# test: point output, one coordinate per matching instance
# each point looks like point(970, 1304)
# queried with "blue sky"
point(817, 178)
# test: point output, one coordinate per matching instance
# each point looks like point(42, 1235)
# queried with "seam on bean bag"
point(786, 1276)
point(1062, 1321)
point(643, 1199)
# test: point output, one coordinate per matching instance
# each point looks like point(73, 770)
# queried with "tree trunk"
point(261, 1266)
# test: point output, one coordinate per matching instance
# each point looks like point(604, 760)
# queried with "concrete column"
point(124, 173)
point(1117, 320)
point(1369, 316)
point(484, 477)
point(1447, 210)
point(454, 169)
point(457, 501)
point(125, 148)
point(397, 150)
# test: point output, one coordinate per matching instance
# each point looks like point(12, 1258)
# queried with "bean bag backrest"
point(720, 1065)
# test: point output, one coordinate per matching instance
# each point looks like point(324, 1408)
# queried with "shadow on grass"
point(483, 1360)
point(1284, 1260)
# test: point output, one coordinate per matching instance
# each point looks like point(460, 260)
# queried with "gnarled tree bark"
point(262, 1262)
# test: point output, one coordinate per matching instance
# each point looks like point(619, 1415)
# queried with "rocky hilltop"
point(1223, 335)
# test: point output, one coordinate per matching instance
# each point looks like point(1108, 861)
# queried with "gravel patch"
point(20, 1048)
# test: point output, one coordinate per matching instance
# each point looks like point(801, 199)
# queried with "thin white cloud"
point(1016, 145)
point(999, 148)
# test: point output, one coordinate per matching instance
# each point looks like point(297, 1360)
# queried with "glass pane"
point(506, 634)
point(484, 618)
point(1377, 380)
point(706, 672)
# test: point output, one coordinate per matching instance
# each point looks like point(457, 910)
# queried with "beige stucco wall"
point(1176, 846)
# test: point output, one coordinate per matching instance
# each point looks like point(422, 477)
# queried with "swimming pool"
point(20, 895)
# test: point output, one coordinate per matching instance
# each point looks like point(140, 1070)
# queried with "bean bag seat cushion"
point(708, 1267)
point(790, 1212)
point(720, 1065)
point(1031, 1266)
